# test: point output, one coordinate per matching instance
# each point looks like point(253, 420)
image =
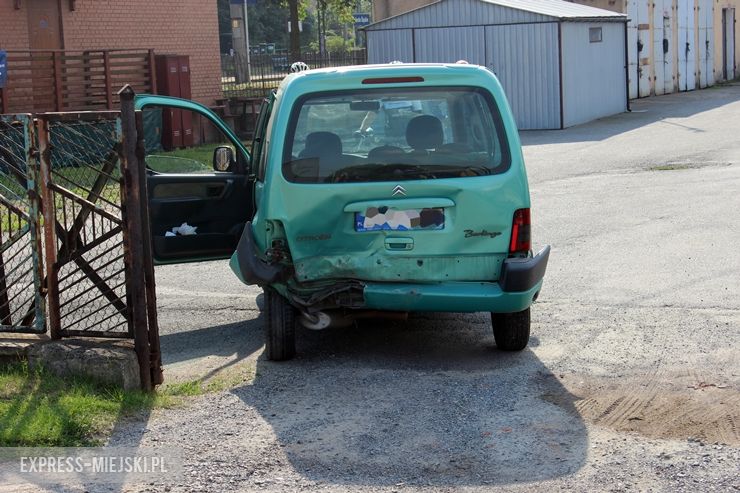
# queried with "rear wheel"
point(511, 330)
point(279, 327)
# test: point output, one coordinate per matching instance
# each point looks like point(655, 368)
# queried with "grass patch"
point(40, 409)
point(202, 154)
point(189, 388)
point(197, 159)
point(221, 381)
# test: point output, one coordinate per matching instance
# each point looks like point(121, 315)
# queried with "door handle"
point(219, 190)
point(399, 244)
point(215, 191)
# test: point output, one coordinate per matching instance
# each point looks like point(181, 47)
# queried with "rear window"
point(394, 135)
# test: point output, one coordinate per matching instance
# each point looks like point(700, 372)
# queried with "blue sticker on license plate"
point(390, 219)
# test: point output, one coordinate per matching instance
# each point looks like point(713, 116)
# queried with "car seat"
point(424, 133)
point(386, 155)
point(326, 147)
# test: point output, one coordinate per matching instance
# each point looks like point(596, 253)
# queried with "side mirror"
point(223, 158)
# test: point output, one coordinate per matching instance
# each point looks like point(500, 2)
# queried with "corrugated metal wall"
point(594, 79)
point(525, 59)
point(460, 13)
point(450, 44)
point(523, 56)
point(522, 50)
point(387, 46)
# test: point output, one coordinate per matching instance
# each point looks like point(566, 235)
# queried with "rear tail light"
point(521, 233)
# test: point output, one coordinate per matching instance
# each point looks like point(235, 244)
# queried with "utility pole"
point(246, 39)
point(240, 33)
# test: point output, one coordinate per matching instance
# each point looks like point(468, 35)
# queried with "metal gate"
point(75, 248)
point(21, 269)
point(82, 192)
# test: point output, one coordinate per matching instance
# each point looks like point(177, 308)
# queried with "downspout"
point(413, 45)
point(627, 68)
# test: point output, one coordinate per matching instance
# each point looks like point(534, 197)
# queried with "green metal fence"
point(21, 268)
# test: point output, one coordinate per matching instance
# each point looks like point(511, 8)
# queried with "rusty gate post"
point(4, 105)
point(133, 236)
point(47, 201)
point(148, 258)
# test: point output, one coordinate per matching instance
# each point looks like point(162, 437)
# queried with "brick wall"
point(13, 27)
point(184, 27)
point(382, 9)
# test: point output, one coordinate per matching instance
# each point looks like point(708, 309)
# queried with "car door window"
point(259, 147)
point(181, 141)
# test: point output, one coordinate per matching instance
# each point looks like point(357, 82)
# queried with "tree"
point(295, 33)
point(266, 23)
point(341, 10)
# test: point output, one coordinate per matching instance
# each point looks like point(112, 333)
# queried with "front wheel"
point(279, 327)
point(511, 330)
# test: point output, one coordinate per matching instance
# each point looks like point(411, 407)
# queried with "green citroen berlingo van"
point(377, 191)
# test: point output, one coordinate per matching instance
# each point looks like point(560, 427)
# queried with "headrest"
point(320, 144)
point(424, 132)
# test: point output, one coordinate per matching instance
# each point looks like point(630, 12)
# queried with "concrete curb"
point(110, 361)
point(15, 347)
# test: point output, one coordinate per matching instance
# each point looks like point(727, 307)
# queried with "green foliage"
point(339, 9)
point(268, 20)
point(335, 44)
point(267, 23)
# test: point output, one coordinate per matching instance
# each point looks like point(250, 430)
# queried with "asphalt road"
point(631, 381)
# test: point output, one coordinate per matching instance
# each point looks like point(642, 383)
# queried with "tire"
point(279, 327)
point(511, 330)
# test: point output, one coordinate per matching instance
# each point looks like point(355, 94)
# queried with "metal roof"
point(557, 9)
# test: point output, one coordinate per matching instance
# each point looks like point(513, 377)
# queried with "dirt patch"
point(658, 406)
point(675, 166)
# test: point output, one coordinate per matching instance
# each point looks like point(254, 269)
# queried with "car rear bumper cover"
point(519, 285)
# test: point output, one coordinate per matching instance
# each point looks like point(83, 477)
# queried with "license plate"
point(390, 219)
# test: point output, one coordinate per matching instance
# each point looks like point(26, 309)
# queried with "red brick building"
point(183, 27)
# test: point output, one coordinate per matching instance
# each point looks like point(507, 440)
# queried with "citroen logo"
point(399, 190)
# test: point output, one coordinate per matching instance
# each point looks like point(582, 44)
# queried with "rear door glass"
point(394, 135)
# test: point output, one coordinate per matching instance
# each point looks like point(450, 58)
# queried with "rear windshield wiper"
point(404, 170)
point(375, 169)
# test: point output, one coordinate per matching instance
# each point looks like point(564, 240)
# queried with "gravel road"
point(631, 381)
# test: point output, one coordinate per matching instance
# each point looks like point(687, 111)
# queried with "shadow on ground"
point(430, 401)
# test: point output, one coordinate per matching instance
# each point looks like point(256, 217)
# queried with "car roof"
point(353, 73)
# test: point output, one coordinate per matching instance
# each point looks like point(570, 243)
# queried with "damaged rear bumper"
point(250, 268)
point(521, 274)
point(518, 287)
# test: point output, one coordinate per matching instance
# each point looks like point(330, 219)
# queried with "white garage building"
point(560, 63)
